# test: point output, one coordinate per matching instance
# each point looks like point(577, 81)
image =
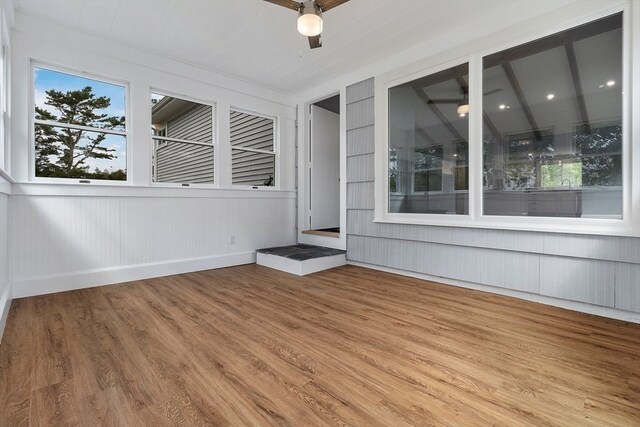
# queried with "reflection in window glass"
point(428, 144)
point(552, 143)
point(182, 140)
point(79, 127)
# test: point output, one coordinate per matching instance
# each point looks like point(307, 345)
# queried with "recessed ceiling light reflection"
point(611, 83)
point(550, 96)
point(502, 106)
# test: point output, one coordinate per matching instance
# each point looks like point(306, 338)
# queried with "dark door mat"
point(301, 252)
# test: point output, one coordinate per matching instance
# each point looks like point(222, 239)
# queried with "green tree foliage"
point(63, 152)
point(600, 150)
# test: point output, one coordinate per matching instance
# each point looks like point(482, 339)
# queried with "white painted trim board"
point(300, 268)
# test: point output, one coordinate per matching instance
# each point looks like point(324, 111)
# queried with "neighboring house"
point(181, 161)
point(254, 133)
point(189, 159)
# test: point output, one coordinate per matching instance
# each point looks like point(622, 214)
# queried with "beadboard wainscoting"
point(580, 272)
point(63, 242)
point(5, 285)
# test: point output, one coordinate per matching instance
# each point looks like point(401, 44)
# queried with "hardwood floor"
point(248, 346)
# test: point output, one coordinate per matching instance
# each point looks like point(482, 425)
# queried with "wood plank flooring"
point(250, 346)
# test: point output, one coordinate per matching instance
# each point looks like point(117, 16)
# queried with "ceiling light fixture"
point(550, 96)
point(310, 19)
point(502, 106)
point(611, 82)
point(463, 106)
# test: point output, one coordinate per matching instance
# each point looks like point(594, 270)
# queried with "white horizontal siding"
point(253, 132)
point(182, 162)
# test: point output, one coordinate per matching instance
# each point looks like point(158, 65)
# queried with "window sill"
point(6, 176)
point(584, 225)
point(128, 190)
point(5, 183)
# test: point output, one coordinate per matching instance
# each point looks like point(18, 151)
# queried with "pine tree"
point(63, 152)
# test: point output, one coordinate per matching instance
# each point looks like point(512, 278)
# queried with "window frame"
point(32, 124)
point(476, 218)
point(5, 93)
point(214, 141)
point(275, 152)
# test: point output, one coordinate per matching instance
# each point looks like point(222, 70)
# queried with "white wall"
point(5, 286)
point(68, 236)
point(6, 20)
point(74, 241)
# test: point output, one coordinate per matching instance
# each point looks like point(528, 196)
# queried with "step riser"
point(300, 268)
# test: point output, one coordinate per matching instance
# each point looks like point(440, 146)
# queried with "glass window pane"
point(552, 143)
point(70, 153)
point(251, 131)
point(251, 168)
point(185, 152)
point(181, 162)
point(66, 98)
point(181, 119)
point(428, 144)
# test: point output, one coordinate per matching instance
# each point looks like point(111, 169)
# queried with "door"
point(325, 169)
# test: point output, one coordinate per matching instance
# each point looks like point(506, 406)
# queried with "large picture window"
point(253, 158)
point(80, 127)
point(428, 144)
point(553, 125)
point(183, 148)
point(532, 137)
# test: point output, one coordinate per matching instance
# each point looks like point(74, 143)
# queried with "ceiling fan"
point(310, 16)
point(463, 104)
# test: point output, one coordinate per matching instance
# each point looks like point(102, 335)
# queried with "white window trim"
point(275, 152)
point(628, 226)
point(214, 142)
point(5, 93)
point(32, 123)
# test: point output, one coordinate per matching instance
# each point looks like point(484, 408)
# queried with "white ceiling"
point(258, 41)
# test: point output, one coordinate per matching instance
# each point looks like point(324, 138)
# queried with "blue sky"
point(48, 79)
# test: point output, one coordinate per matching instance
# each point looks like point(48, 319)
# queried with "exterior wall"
point(251, 131)
point(179, 162)
point(601, 271)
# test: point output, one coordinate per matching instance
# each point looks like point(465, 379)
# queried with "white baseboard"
point(613, 313)
point(5, 304)
point(109, 276)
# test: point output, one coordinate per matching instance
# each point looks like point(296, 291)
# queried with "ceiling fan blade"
point(325, 5)
point(493, 91)
point(444, 101)
point(315, 42)
point(289, 4)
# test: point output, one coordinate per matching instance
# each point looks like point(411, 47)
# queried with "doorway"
point(324, 168)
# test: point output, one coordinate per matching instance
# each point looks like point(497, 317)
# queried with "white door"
point(325, 169)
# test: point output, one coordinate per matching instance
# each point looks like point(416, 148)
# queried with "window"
point(79, 127)
point(183, 148)
point(528, 138)
point(4, 99)
point(553, 125)
point(428, 148)
point(253, 158)
point(4, 91)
